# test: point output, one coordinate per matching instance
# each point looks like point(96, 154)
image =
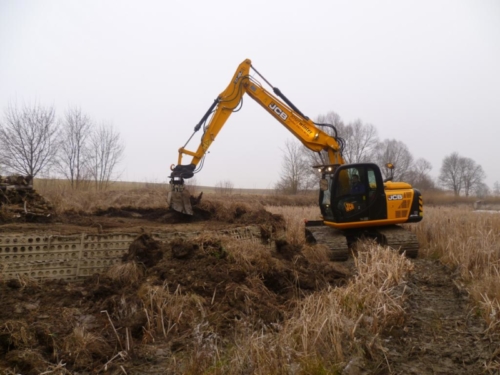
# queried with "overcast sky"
point(426, 73)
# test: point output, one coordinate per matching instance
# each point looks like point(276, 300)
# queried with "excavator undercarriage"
point(340, 243)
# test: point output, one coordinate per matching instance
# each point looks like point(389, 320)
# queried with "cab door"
point(357, 193)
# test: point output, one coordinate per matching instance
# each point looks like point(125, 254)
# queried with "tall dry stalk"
point(83, 347)
point(171, 312)
point(469, 241)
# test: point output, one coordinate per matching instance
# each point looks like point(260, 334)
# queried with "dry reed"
point(295, 220)
point(18, 334)
point(170, 312)
point(470, 242)
point(83, 347)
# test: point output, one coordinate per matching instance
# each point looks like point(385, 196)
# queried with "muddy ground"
point(109, 323)
point(443, 333)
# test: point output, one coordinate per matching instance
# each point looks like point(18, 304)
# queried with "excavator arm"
point(277, 105)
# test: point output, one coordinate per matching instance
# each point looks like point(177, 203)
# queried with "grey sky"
point(423, 72)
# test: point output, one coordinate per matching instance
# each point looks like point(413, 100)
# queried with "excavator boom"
point(214, 119)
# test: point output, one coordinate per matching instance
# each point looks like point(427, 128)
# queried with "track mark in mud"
point(442, 334)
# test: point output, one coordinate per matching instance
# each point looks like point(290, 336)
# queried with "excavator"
point(355, 201)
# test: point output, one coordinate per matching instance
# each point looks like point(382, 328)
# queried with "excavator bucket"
point(180, 201)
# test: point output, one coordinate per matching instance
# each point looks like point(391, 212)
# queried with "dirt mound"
point(238, 213)
point(144, 250)
point(207, 214)
point(174, 293)
point(207, 267)
point(232, 212)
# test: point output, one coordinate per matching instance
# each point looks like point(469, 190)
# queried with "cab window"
point(351, 181)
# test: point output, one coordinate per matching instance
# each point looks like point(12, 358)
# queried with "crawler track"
point(399, 239)
point(395, 237)
point(334, 239)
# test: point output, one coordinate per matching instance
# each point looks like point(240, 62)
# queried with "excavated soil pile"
point(170, 293)
point(130, 219)
point(19, 202)
point(232, 213)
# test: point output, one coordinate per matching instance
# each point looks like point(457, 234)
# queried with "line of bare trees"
point(34, 142)
point(362, 144)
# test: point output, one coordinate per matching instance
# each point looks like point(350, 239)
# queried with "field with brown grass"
point(209, 303)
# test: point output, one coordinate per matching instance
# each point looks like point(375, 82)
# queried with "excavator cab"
point(352, 193)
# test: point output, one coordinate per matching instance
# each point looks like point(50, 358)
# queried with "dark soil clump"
point(144, 250)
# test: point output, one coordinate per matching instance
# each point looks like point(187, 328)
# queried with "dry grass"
point(33, 361)
point(65, 199)
point(250, 256)
point(171, 313)
point(441, 198)
point(469, 241)
point(18, 334)
point(295, 220)
point(126, 273)
point(83, 347)
point(152, 195)
point(316, 254)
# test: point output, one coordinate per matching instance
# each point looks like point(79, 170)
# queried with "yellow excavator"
point(354, 199)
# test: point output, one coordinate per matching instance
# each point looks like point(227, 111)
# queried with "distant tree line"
point(361, 144)
point(34, 142)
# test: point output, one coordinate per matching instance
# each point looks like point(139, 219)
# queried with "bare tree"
point(496, 188)
point(459, 174)
point(472, 176)
point(419, 176)
point(482, 190)
point(396, 153)
point(105, 152)
point(28, 139)
point(315, 158)
point(295, 169)
point(360, 142)
point(450, 175)
point(73, 155)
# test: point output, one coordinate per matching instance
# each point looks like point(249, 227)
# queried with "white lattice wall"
point(43, 256)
